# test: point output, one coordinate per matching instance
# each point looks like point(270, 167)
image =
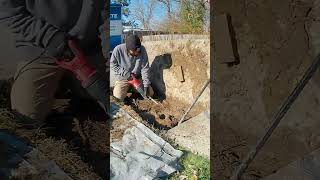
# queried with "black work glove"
point(130, 77)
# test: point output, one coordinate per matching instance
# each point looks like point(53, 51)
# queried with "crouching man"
point(130, 59)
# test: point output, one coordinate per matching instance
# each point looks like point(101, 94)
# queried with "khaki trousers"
point(121, 88)
point(36, 83)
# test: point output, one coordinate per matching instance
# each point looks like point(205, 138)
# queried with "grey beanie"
point(133, 42)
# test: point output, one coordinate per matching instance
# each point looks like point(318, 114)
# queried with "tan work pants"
point(121, 88)
point(35, 85)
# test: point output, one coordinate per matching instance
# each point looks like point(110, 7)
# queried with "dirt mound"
point(164, 115)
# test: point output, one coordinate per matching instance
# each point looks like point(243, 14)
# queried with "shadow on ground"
point(83, 124)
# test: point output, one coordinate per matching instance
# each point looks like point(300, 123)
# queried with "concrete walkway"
point(194, 134)
point(306, 168)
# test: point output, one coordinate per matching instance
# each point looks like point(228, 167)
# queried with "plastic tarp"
point(141, 154)
point(18, 160)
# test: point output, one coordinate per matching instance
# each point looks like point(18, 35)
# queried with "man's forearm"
point(121, 71)
point(118, 70)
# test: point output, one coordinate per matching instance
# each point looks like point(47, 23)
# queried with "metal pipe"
point(277, 118)
point(194, 102)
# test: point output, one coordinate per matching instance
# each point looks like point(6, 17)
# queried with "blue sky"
point(159, 12)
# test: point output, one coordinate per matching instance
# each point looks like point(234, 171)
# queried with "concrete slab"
point(194, 134)
point(306, 168)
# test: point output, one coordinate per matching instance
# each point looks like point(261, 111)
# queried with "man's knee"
point(119, 95)
point(33, 90)
point(120, 89)
point(27, 112)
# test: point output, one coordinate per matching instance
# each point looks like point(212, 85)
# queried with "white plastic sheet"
point(141, 154)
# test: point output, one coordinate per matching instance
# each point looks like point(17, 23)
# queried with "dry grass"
point(56, 150)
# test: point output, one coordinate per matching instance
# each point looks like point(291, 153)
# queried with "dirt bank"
point(166, 58)
point(276, 42)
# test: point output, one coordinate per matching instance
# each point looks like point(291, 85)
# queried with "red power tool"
point(94, 82)
point(137, 85)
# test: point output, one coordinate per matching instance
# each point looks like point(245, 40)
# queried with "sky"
point(159, 12)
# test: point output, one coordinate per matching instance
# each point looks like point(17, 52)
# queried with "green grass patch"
point(194, 167)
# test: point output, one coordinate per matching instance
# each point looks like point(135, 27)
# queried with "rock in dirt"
point(194, 134)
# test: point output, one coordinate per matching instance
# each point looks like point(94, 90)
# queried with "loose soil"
point(164, 115)
point(75, 136)
point(118, 128)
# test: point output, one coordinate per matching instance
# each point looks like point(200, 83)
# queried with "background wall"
point(277, 41)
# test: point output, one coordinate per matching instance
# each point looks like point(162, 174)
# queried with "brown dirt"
point(79, 146)
point(274, 48)
point(54, 149)
point(119, 126)
point(193, 62)
point(164, 115)
point(75, 136)
point(166, 57)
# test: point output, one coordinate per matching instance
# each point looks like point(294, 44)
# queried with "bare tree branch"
point(144, 12)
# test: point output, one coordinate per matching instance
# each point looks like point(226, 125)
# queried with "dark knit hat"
point(133, 42)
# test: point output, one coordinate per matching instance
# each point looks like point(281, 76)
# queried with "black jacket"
point(40, 25)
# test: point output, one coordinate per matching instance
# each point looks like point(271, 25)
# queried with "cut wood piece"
point(224, 43)
point(180, 74)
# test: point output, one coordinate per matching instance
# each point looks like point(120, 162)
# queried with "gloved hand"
point(94, 83)
point(131, 76)
point(78, 64)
